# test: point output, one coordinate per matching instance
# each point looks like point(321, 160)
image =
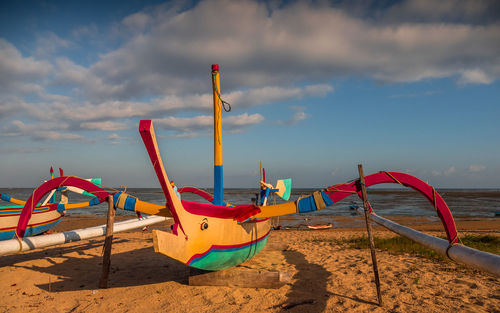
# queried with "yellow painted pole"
point(218, 171)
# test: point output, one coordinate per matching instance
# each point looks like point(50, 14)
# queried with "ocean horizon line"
point(377, 188)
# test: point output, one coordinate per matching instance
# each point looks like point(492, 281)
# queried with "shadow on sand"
point(132, 268)
point(309, 292)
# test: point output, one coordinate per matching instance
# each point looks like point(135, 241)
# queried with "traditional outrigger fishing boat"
point(323, 226)
point(215, 235)
point(44, 218)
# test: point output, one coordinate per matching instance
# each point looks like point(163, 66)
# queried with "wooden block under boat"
point(235, 277)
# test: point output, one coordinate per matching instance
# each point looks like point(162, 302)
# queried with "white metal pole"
point(481, 260)
point(36, 242)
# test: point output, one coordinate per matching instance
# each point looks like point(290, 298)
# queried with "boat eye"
point(204, 226)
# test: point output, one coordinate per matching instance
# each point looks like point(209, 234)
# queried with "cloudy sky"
point(316, 87)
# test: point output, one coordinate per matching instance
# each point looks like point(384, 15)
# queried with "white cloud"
point(187, 135)
point(299, 115)
point(48, 43)
point(85, 31)
point(11, 105)
point(449, 171)
point(265, 95)
point(185, 124)
point(476, 168)
point(23, 150)
point(137, 21)
point(115, 115)
point(461, 11)
point(104, 125)
point(446, 172)
point(320, 90)
point(67, 72)
point(41, 131)
point(267, 52)
point(55, 135)
point(241, 121)
point(88, 112)
point(116, 139)
point(413, 95)
point(475, 76)
point(187, 127)
point(292, 43)
point(19, 74)
point(114, 136)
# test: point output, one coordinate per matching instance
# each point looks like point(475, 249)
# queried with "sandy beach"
point(326, 276)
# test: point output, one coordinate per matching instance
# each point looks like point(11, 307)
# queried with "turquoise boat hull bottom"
point(222, 257)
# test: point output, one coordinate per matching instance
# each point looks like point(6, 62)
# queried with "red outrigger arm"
point(205, 195)
point(341, 191)
point(48, 186)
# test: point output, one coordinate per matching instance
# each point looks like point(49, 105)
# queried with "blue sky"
point(316, 87)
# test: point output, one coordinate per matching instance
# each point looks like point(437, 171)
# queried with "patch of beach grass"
point(402, 245)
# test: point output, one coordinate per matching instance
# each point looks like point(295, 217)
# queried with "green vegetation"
point(488, 243)
point(400, 245)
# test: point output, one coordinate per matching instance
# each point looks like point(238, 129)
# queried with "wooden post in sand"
point(108, 242)
point(366, 206)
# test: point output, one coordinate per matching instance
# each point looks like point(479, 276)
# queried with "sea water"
point(388, 202)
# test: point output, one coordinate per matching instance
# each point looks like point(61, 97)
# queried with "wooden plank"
point(244, 278)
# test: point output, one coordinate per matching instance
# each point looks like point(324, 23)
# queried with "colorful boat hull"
point(41, 221)
point(221, 257)
point(212, 249)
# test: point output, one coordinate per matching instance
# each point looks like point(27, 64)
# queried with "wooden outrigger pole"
point(108, 243)
point(366, 206)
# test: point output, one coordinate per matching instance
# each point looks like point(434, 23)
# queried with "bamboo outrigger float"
point(481, 260)
point(216, 236)
point(38, 242)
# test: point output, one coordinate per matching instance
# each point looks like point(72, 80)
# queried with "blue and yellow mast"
point(218, 171)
